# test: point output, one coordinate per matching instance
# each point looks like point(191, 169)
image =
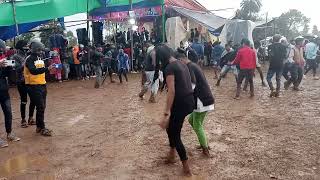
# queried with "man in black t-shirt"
point(277, 53)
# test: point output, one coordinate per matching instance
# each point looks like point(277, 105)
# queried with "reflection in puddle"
point(76, 119)
point(21, 163)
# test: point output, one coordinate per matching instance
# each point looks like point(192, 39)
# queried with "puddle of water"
point(76, 119)
point(194, 177)
point(21, 164)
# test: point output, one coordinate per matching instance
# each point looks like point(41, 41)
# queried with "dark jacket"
point(20, 59)
point(277, 53)
point(202, 89)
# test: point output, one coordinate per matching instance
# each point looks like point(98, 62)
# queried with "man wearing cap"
point(34, 74)
point(5, 98)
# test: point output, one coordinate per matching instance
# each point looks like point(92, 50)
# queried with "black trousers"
point(6, 108)
point(77, 68)
point(248, 74)
point(124, 73)
point(38, 95)
point(181, 108)
point(296, 75)
point(312, 64)
point(23, 92)
point(286, 69)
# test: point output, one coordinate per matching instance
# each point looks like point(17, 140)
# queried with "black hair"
point(180, 54)
point(20, 44)
point(245, 41)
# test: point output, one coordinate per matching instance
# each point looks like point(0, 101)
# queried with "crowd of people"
point(176, 71)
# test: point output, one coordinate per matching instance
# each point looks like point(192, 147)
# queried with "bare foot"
point(186, 168)
point(171, 157)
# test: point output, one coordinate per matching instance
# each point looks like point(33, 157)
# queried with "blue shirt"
point(199, 48)
point(311, 50)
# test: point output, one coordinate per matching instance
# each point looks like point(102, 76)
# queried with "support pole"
point(131, 37)
point(163, 22)
point(15, 16)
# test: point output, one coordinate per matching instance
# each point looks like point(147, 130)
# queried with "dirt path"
point(110, 134)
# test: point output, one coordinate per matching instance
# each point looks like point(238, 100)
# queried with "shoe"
point(152, 99)
point(12, 137)
point(264, 84)
point(316, 78)
point(218, 83)
point(297, 89)
point(277, 94)
point(24, 124)
point(272, 94)
point(286, 85)
point(46, 132)
point(31, 121)
point(237, 98)
point(3, 143)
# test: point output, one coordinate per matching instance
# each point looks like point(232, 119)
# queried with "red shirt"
point(127, 51)
point(246, 57)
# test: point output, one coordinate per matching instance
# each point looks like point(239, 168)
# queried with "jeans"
point(286, 69)
point(312, 64)
point(66, 68)
point(248, 74)
point(6, 108)
point(227, 68)
point(85, 70)
point(78, 70)
point(38, 95)
point(296, 75)
point(270, 75)
point(180, 109)
point(98, 72)
point(23, 92)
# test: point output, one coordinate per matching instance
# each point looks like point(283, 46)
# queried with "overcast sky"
point(273, 7)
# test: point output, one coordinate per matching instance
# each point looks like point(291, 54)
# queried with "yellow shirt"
point(39, 79)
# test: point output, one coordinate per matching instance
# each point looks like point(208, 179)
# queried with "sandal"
point(46, 132)
point(38, 130)
point(24, 124)
point(31, 122)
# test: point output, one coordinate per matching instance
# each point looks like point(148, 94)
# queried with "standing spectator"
point(312, 50)
point(5, 97)
point(66, 61)
point(123, 65)
point(192, 35)
point(199, 48)
point(277, 54)
point(20, 58)
point(196, 34)
point(208, 53)
point(96, 62)
point(34, 73)
point(83, 57)
point(297, 67)
point(57, 62)
point(77, 65)
point(180, 102)
point(246, 58)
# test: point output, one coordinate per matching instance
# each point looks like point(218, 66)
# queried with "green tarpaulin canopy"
point(38, 10)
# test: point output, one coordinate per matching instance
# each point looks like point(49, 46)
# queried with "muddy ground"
point(110, 134)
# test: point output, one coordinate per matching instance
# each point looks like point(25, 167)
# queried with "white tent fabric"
point(209, 20)
point(236, 30)
point(175, 32)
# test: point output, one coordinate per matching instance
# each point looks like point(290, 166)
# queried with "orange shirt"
point(75, 55)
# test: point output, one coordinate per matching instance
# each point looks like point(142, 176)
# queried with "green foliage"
point(315, 30)
point(47, 30)
point(72, 40)
point(249, 10)
point(290, 23)
point(26, 36)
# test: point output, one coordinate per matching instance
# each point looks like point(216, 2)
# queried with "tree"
point(249, 10)
point(47, 30)
point(315, 30)
point(26, 36)
point(290, 23)
point(72, 40)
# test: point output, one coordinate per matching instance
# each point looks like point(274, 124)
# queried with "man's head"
point(299, 41)
point(245, 42)
point(276, 38)
point(21, 45)
point(2, 46)
point(228, 47)
point(196, 29)
point(180, 54)
point(37, 47)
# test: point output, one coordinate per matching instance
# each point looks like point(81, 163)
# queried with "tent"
point(207, 19)
point(236, 30)
point(124, 5)
point(21, 16)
